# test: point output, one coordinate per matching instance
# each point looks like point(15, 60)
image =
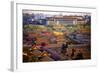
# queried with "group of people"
point(64, 51)
point(53, 54)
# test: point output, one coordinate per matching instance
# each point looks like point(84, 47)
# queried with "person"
point(34, 41)
point(64, 47)
point(79, 56)
point(34, 44)
point(73, 52)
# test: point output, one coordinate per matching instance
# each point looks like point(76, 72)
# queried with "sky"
point(56, 12)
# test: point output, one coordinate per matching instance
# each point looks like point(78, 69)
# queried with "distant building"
point(81, 21)
point(68, 20)
point(61, 20)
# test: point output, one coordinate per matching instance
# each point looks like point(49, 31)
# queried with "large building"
point(67, 20)
point(53, 20)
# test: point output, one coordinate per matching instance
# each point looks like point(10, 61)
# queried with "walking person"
point(64, 48)
point(73, 53)
point(79, 56)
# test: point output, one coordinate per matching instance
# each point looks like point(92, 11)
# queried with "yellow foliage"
point(58, 33)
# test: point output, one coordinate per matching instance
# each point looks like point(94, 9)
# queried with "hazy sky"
point(56, 13)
